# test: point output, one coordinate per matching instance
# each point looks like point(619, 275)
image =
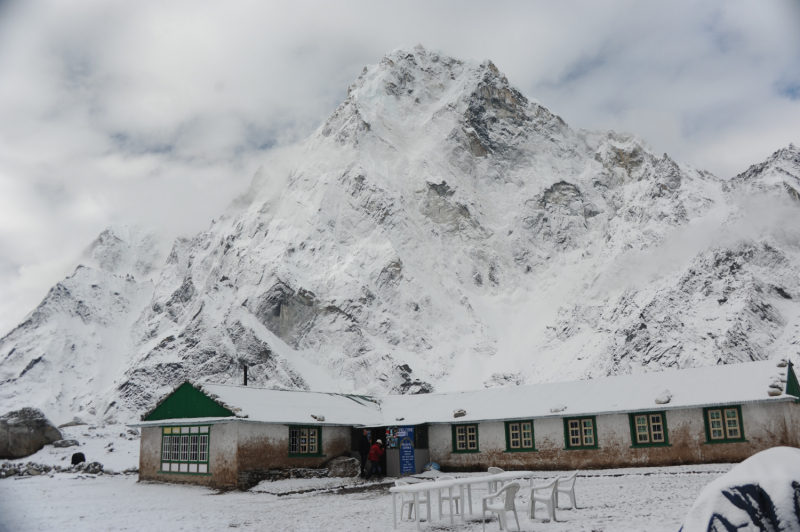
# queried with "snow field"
point(621, 500)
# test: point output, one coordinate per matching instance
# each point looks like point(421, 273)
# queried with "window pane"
point(642, 434)
point(176, 448)
point(461, 438)
point(184, 448)
point(574, 433)
point(732, 423)
point(165, 451)
point(588, 432)
point(294, 440)
point(527, 435)
point(514, 436)
point(193, 448)
point(303, 440)
point(472, 437)
point(203, 454)
point(715, 424)
point(312, 440)
point(657, 428)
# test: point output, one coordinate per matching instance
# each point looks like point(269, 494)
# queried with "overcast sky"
point(160, 112)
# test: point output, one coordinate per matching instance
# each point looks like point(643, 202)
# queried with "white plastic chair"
point(446, 496)
point(494, 471)
point(566, 485)
point(549, 500)
point(410, 503)
point(509, 491)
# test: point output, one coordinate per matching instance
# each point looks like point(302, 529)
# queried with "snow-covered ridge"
point(442, 231)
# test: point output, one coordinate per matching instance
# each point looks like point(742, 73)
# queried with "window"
point(519, 436)
point(184, 450)
point(305, 441)
point(649, 429)
point(724, 425)
point(579, 433)
point(465, 439)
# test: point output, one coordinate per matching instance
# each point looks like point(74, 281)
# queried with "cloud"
point(160, 113)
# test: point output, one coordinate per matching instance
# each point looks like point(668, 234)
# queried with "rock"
point(66, 443)
point(78, 458)
point(24, 432)
point(33, 472)
point(93, 468)
point(344, 466)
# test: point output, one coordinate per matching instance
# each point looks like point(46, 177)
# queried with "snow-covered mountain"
point(442, 231)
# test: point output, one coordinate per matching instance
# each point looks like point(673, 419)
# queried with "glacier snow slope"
point(442, 231)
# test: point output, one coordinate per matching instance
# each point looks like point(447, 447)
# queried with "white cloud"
point(161, 112)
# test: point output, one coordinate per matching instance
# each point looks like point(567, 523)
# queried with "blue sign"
point(406, 437)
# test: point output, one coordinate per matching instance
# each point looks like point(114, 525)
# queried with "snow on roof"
point(698, 387)
point(296, 406)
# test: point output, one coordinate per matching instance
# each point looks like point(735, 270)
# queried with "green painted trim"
point(792, 386)
point(567, 446)
point(632, 421)
point(187, 402)
point(477, 438)
point(318, 454)
point(521, 449)
point(709, 441)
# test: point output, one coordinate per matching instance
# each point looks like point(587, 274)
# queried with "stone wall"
point(765, 425)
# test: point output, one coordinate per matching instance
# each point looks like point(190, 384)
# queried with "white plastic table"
point(438, 485)
point(415, 490)
point(489, 479)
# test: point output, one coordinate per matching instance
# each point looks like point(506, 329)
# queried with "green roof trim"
point(187, 402)
point(792, 387)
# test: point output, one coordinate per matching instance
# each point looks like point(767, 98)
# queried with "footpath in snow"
point(618, 500)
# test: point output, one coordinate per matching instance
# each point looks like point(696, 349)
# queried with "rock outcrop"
point(24, 432)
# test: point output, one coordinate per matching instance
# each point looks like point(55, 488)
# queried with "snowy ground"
point(641, 499)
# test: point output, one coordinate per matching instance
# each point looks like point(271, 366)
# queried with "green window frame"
point(649, 429)
point(305, 441)
point(186, 450)
point(580, 432)
point(465, 439)
point(519, 436)
point(724, 424)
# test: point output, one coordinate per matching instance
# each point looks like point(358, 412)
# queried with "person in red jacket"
point(374, 457)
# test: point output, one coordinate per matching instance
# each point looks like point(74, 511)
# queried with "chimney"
point(245, 375)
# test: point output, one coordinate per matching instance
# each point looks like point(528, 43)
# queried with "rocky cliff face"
point(442, 231)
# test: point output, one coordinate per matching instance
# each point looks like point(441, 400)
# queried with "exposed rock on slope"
point(442, 231)
point(25, 431)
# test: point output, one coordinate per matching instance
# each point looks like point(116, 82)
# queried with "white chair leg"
point(483, 518)
point(517, 520)
point(502, 517)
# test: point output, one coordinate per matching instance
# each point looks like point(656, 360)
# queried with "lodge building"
point(231, 436)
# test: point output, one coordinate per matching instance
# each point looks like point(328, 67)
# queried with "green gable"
point(187, 402)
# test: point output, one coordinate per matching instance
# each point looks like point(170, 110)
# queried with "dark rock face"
point(344, 467)
point(25, 431)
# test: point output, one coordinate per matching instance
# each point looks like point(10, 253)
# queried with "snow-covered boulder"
point(762, 493)
point(24, 432)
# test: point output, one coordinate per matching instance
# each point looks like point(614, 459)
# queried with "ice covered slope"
point(68, 355)
point(441, 231)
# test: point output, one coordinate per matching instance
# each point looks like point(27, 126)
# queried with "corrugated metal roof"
point(715, 385)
